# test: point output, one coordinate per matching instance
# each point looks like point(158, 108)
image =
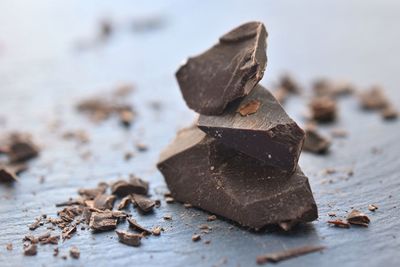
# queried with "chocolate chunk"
point(203, 172)
point(373, 99)
point(323, 109)
point(91, 193)
point(315, 142)
point(104, 202)
point(225, 72)
point(358, 218)
point(102, 221)
point(287, 254)
point(156, 231)
point(7, 175)
point(124, 202)
point(196, 237)
point(132, 223)
point(74, 252)
point(249, 108)
point(144, 204)
point(130, 239)
point(135, 185)
point(269, 135)
point(30, 250)
point(289, 85)
point(21, 149)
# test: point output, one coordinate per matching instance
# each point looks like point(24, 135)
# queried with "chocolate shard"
point(102, 221)
point(323, 109)
point(358, 218)
point(269, 134)
point(104, 202)
point(135, 185)
point(21, 149)
point(144, 204)
point(315, 142)
point(7, 174)
point(133, 224)
point(287, 254)
point(225, 72)
point(205, 173)
point(129, 239)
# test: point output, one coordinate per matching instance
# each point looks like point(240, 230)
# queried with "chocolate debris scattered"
point(104, 202)
point(129, 239)
point(323, 109)
point(30, 250)
point(225, 72)
point(315, 142)
point(287, 254)
point(7, 175)
point(9, 246)
point(358, 218)
point(269, 135)
point(211, 218)
point(222, 174)
point(156, 231)
point(124, 203)
point(102, 221)
point(196, 237)
point(372, 207)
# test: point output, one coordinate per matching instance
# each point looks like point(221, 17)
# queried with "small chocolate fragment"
point(124, 202)
point(358, 218)
point(389, 113)
point(372, 207)
point(225, 72)
point(30, 250)
point(144, 204)
point(9, 246)
point(269, 135)
point(202, 171)
point(326, 88)
point(287, 254)
point(21, 149)
point(132, 223)
point(373, 99)
point(129, 239)
point(315, 142)
point(196, 237)
point(156, 231)
point(74, 252)
point(104, 202)
point(289, 85)
point(91, 193)
point(323, 109)
point(102, 221)
point(135, 185)
point(339, 223)
point(7, 175)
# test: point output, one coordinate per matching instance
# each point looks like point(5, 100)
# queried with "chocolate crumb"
point(74, 252)
point(144, 204)
point(124, 203)
point(339, 223)
point(132, 223)
point(287, 254)
point(9, 246)
point(211, 218)
point(167, 217)
point(389, 113)
point(249, 108)
point(169, 200)
point(358, 218)
point(323, 109)
point(196, 237)
point(314, 142)
point(188, 205)
point(55, 252)
point(332, 214)
point(102, 221)
point(130, 239)
point(103, 202)
point(30, 250)
point(135, 185)
point(372, 207)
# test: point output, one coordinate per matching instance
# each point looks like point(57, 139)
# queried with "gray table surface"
point(43, 74)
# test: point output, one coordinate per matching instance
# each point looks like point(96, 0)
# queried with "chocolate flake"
point(103, 202)
point(211, 218)
point(339, 223)
point(130, 239)
point(135, 185)
point(74, 252)
point(196, 237)
point(372, 207)
point(102, 221)
point(91, 193)
point(156, 231)
point(30, 250)
point(144, 204)
point(287, 254)
point(315, 142)
point(124, 203)
point(7, 175)
point(132, 223)
point(249, 108)
point(358, 218)
point(323, 109)
point(225, 72)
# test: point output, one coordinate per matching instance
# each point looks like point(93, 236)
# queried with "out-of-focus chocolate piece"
point(135, 185)
point(124, 203)
point(104, 202)
point(7, 175)
point(389, 112)
point(269, 134)
point(129, 239)
point(20, 148)
point(373, 99)
point(323, 109)
point(358, 218)
point(133, 224)
point(91, 193)
point(288, 84)
point(315, 142)
point(225, 72)
point(205, 173)
point(288, 254)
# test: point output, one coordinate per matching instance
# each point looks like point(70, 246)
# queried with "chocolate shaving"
point(124, 203)
point(339, 223)
point(249, 108)
point(323, 109)
point(130, 239)
point(103, 202)
point(315, 142)
point(135, 185)
point(372, 207)
point(358, 218)
point(196, 237)
point(143, 203)
point(132, 223)
point(30, 250)
point(287, 254)
point(74, 252)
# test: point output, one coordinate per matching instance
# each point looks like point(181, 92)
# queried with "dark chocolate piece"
point(339, 223)
point(196, 237)
point(373, 99)
point(74, 252)
point(288, 84)
point(358, 218)
point(21, 149)
point(7, 175)
point(30, 250)
point(132, 223)
point(269, 134)
point(225, 72)
point(287, 254)
point(129, 239)
point(135, 185)
point(144, 204)
point(104, 202)
point(203, 172)
point(124, 203)
point(315, 142)
point(91, 193)
point(102, 221)
point(323, 109)
point(372, 207)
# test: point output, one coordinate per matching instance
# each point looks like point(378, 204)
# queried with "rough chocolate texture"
point(225, 72)
point(205, 173)
point(269, 134)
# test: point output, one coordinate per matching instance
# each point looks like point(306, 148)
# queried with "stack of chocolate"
point(240, 160)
